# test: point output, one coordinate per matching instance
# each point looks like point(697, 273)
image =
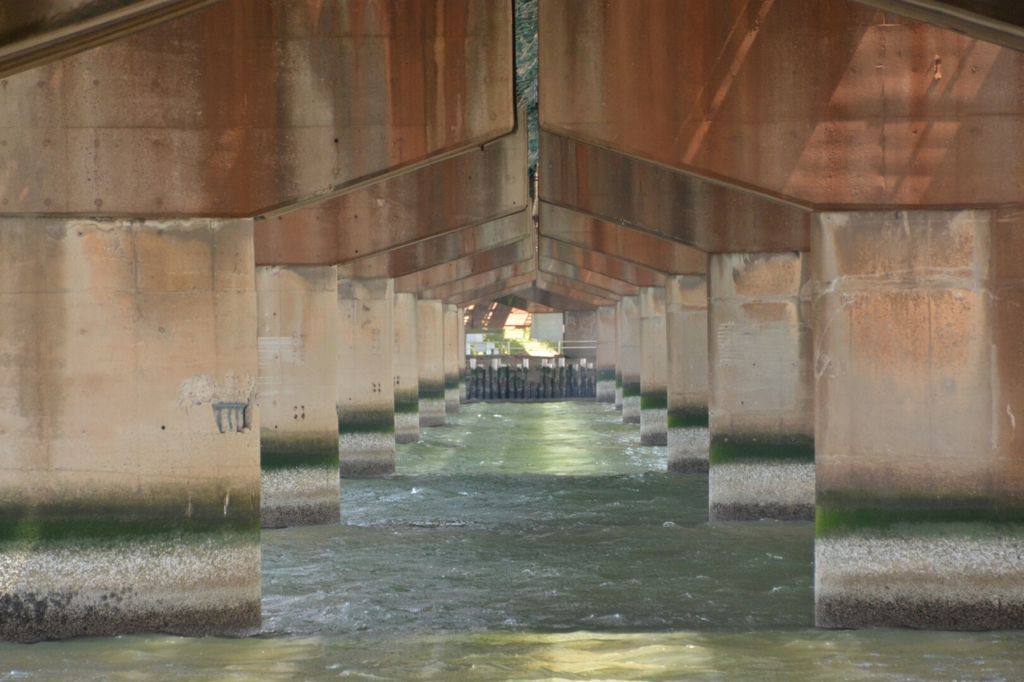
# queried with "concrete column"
point(686, 321)
point(450, 328)
point(463, 395)
point(366, 378)
point(430, 349)
point(129, 431)
point(919, 366)
point(297, 333)
point(653, 367)
point(407, 385)
point(761, 392)
point(629, 340)
point(618, 356)
point(605, 364)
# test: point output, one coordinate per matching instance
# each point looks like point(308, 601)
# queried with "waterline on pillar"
point(407, 418)
point(451, 395)
point(606, 386)
point(366, 443)
point(631, 402)
point(945, 582)
point(754, 490)
point(299, 496)
point(654, 418)
point(689, 440)
point(431, 405)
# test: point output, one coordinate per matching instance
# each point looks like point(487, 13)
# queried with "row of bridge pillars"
point(872, 385)
point(161, 398)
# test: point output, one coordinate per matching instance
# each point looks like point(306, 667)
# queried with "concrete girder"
point(503, 289)
point(443, 248)
point(243, 108)
point(479, 186)
point(623, 244)
point(609, 286)
point(558, 298)
point(619, 270)
point(618, 188)
point(448, 292)
point(42, 31)
point(879, 111)
point(462, 268)
point(564, 286)
point(994, 21)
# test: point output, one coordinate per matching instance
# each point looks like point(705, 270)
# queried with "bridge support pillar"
point(430, 349)
point(407, 385)
point(653, 367)
point(919, 366)
point(761, 393)
point(366, 395)
point(686, 320)
point(618, 356)
point(450, 328)
point(629, 338)
point(605, 363)
point(297, 333)
point(129, 431)
point(463, 394)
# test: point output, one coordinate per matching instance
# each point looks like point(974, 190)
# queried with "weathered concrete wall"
point(618, 355)
point(686, 321)
point(761, 390)
point(695, 86)
point(366, 378)
point(606, 354)
point(453, 357)
point(430, 349)
point(918, 387)
point(297, 335)
point(243, 108)
point(653, 367)
point(407, 368)
point(129, 432)
point(629, 343)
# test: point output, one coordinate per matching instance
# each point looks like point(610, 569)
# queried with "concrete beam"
point(622, 242)
point(609, 286)
point(603, 184)
point(502, 289)
point(457, 270)
point(569, 288)
point(994, 21)
point(556, 301)
point(444, 248)
point(450, 291)
point(244, 109)
point(879, 111)
point(619, 270)
point(43, 31)
point(479, 186)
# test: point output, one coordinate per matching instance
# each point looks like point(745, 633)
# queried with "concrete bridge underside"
point(236, 240)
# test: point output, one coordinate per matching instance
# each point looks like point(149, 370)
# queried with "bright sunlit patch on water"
point(544, 544)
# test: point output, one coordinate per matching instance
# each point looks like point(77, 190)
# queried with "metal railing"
point(505, 347)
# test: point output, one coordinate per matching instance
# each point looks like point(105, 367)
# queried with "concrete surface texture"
point(629, 340)
point(430, 350)
point(366, 379)
point(297, 390)
point(761, 390)
point(606, 354)
point(406, 363)
point(129, 430)
point(686, 322)
point(653, 367)
point(917, 466)
point(304, 100)
point(453, 357)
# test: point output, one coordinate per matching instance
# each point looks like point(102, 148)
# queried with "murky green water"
point(533, 542)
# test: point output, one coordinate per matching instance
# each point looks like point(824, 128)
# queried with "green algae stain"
point(298, 452)
point(654, 401)
point(749, 448)
point(688, 417)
